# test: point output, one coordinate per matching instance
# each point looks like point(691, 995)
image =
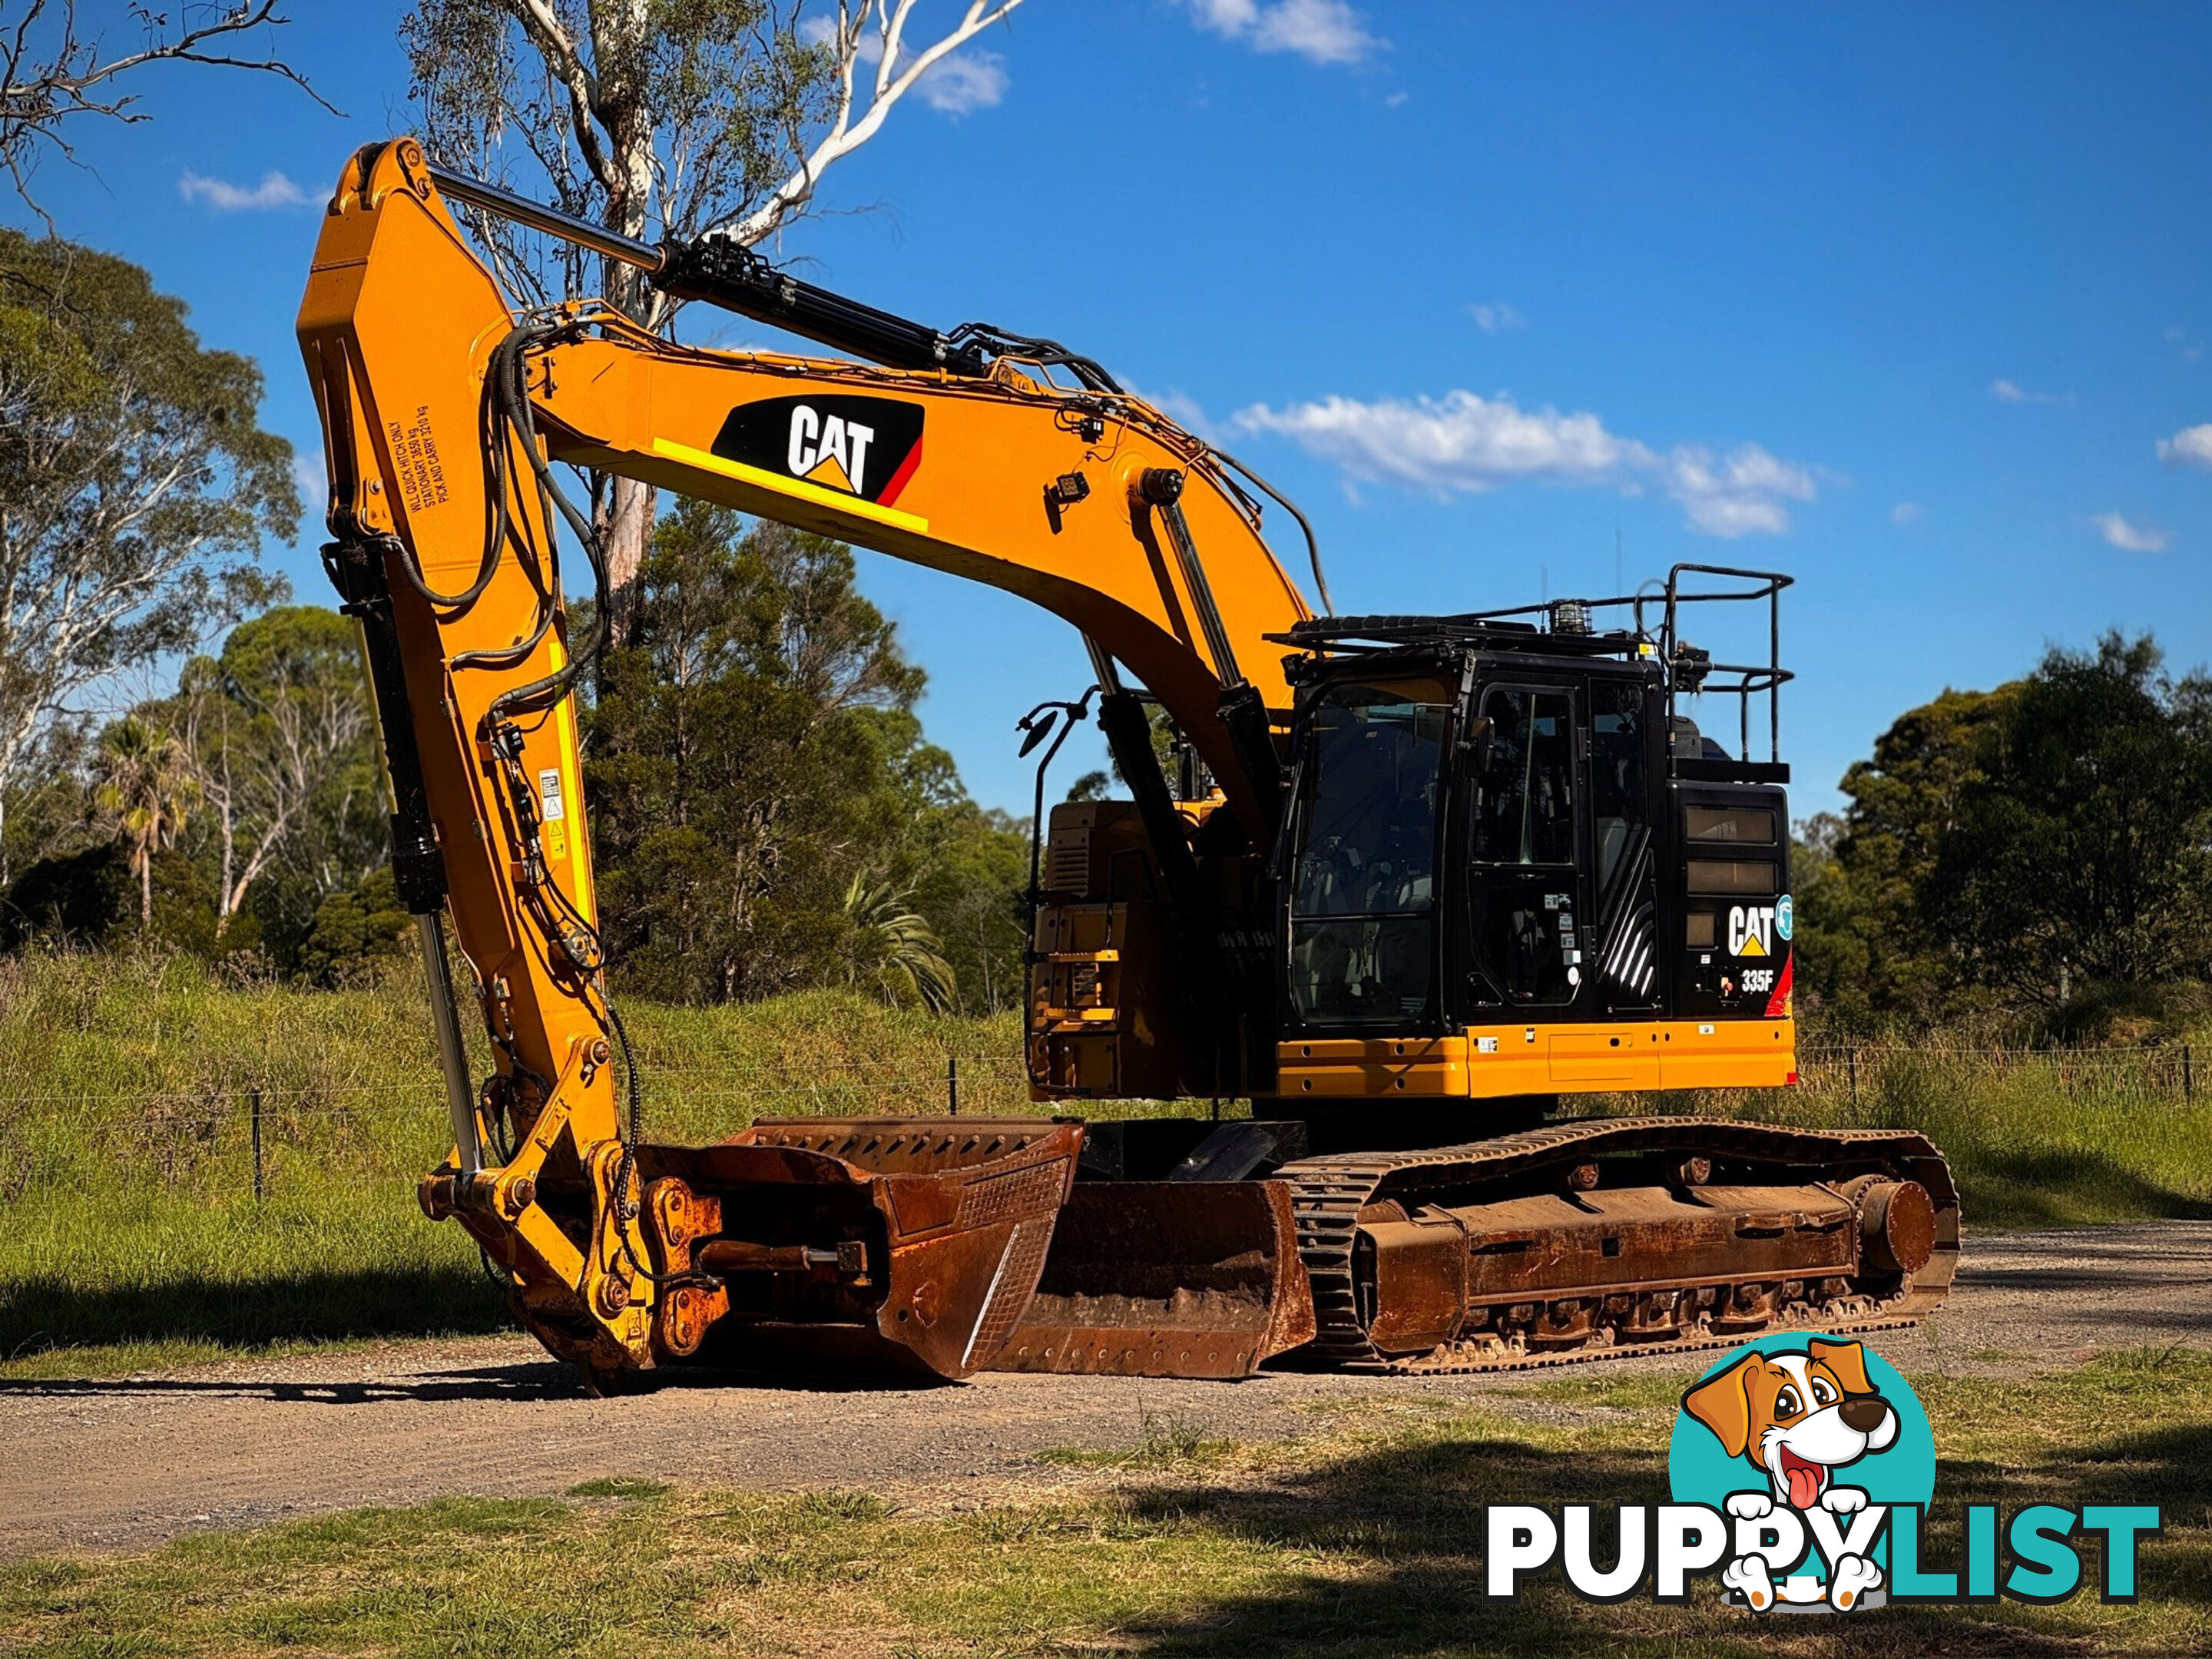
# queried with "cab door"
point(1529, 941)
point(1624, 756)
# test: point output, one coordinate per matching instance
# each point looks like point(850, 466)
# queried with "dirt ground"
point(125, 1462)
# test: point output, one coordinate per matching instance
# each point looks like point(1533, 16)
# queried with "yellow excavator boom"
point(442, 407)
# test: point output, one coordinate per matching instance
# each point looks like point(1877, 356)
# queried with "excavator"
point(1405, 883)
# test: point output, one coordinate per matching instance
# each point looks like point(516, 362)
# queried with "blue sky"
point(1909, 301)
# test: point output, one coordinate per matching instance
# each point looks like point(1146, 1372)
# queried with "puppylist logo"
point(1792, 1444)
point(1802, 1467)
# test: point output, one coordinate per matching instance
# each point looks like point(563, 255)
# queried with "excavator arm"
point(443, 409)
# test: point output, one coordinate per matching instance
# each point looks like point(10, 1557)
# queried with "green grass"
point(1358, 1542)
point(1169, 1442)
point(619, 1485)
point(133, 1239)
point(2044, 1140)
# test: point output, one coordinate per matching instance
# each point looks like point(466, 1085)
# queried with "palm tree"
point(147, 782)
point(894, 946)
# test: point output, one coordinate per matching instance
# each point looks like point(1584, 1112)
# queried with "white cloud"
point(1458, 441)
point(1740, 494)
point(2191, 447)
point(2187, 348)
point(1319, 31)
point(1907, 513)
point(964, 81)
point(2131, 537)
point(310, 477)
point(2005, 391)
point(955, 85)
point(1462, 442)
point(275, 191)
point(1491, 316)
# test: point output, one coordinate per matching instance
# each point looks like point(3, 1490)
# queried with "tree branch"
point(44, 81)
point(892, 82)
point(565, 63)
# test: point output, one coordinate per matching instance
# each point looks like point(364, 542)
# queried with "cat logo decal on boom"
point(864, 446)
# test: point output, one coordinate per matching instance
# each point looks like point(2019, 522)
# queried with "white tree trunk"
point(608, 94)
point(895, 74)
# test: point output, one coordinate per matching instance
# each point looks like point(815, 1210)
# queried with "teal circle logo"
point(1785, 914)
point(1803, 1442)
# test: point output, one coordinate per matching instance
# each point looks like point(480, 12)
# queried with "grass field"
point(2035, 1139)
point(126, 1169)
point(134, 1236)
point(1358, 1539)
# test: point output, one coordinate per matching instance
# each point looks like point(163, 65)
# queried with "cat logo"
point(1751, 930)
point(864, 446)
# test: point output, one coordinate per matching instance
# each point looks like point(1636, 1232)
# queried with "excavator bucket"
point(855, 1245)
point(947, 1246)
point(1167, 1278)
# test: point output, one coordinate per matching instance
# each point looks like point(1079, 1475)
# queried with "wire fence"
point(229, 1134)
point(2166, 1073)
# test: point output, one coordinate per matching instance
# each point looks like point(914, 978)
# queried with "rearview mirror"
point(1040, 732)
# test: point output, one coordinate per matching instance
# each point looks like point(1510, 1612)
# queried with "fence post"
point(1851, 1059)
point(952, 1084)
point(253, 1105)
point(2188, 1077)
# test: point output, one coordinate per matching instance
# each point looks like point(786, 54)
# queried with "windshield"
point(1362, 936)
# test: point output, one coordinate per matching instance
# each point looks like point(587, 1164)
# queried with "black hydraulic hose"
point(545, 692)
point(496, 483)
point(627, 1208)
point(1313, 543)
point(506, 390)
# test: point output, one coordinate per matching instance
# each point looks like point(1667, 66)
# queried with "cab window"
point(1526, 812)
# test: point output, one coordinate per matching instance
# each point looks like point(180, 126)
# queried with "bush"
point(355, 933)
point(80, 902)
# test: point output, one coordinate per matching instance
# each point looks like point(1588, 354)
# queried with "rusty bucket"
point(862, 1244)
point(1166, 1279)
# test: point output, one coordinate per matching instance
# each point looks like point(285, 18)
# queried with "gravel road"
point(124, 1462)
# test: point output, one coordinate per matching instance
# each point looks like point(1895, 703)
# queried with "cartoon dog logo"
point(1798, 1417)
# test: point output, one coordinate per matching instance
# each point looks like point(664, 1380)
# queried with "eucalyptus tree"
point(136, 485)
point(669, 118)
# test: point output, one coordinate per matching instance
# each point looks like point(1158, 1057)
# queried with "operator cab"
point(1496, 821)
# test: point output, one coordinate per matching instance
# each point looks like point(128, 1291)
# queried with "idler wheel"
point(1897, 1225)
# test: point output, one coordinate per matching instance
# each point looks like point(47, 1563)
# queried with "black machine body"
point(1500, 820)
